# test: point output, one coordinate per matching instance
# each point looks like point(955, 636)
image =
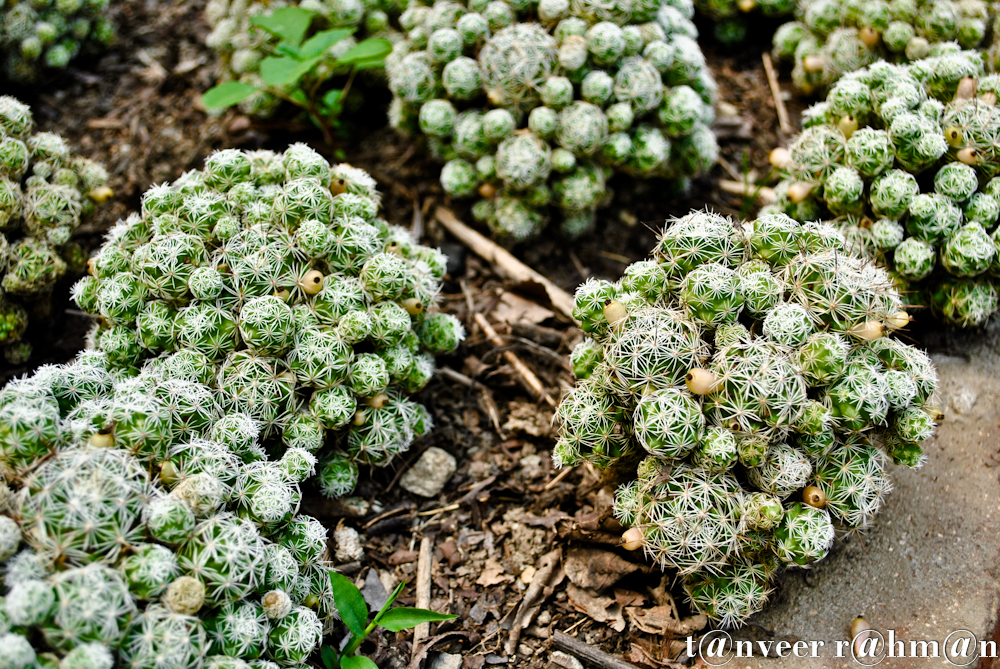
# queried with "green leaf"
point(227, 94)
point(286, 49)
point(330, 657)
point(403, 618)
point(357, 662)
point(372, 48)
point(284, 71)
point(370, 64)
point(350, 604)
point(288, 23)
point(321, 41)
point(332, 98)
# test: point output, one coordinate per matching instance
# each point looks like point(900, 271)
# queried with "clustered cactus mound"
point(45, 191)
point(536, 104)
point(146, 529)
point(730, 16)
point(903, 159)
point(746, 367)
point(269, 283)
point(243, 46)
point(834, 37)
point(36, 35)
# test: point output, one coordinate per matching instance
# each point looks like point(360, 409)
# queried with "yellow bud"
point(394, 249)
point(168, 472)
point(312, 282)
point(954, 136)
point(701, 381)
point(898, 320)
point(848, 125)
point(814, 497)
point(869, 36)
point(988, 98)
point(813, 63)
point(966, 89)
point(91, 266)
point(632, 540)
point(378, 401)
point(799, 191)
point(413, 306)
point(100, 194)
point(360, 418)
point(860, 631)
point(869, 330)
point(614, 311)
point(746, 5)
point(283, 295)
point(101, 439)
point(969, 156)
point(338, 186)
point(781, 158)
point(487, 191)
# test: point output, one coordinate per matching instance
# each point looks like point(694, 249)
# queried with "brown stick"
point(505, 262)
point(587, 653)
point(779, 104)
point(528, 378)
point(763, 193)
point(423, 587)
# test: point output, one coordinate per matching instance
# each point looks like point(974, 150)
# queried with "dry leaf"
point(655, 654)
point(629, 597)
point(528, 417)
point(661, 620)
point(493, 574)
point(596, 569)
point(601, 609)
point(513, 308)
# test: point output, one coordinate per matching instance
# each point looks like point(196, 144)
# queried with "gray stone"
point(445, 661)
point(929, 566)
point(428, 476)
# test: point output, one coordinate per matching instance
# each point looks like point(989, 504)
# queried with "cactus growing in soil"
point(45, 192)
point(40, 36)
point(747, 366)
point(902, 160)
point(163, 551)
point(266, 288)
point(831, 38)
point(532, 110)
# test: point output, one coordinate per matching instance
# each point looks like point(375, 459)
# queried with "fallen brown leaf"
point(601, 609)
point(493, 574)
point(660, 620)
point(596, 569)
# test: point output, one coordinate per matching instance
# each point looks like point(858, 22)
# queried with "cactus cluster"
point(537, 104)
point(832, 38)
point(45, 192)
point(903, 159)
point(267, 284)
point(747, 376)
point(39, 35)
point(147, 529)
point(242, 44)
point(730, 16)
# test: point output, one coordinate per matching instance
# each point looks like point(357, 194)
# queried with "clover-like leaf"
point(227, 94)
point(288, 23)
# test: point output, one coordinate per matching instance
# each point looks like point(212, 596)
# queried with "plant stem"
point(357, 641)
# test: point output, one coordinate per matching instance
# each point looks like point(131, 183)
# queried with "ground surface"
point(928, 567)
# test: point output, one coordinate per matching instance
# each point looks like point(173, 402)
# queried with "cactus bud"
point(632, 539)
point(701, 381)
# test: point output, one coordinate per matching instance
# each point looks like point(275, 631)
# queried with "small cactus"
point(717, 396)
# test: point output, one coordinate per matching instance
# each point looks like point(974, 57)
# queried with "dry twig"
point(505, 262)
point(423, 587)
point(531, 382)
point(587, 653)
point(763, 193)
point(779, 104)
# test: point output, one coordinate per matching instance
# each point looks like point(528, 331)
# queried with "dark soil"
point(136, 109)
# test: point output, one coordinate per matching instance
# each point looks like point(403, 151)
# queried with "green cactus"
point(899, 122)
point(738, 418)
point(552, 106)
